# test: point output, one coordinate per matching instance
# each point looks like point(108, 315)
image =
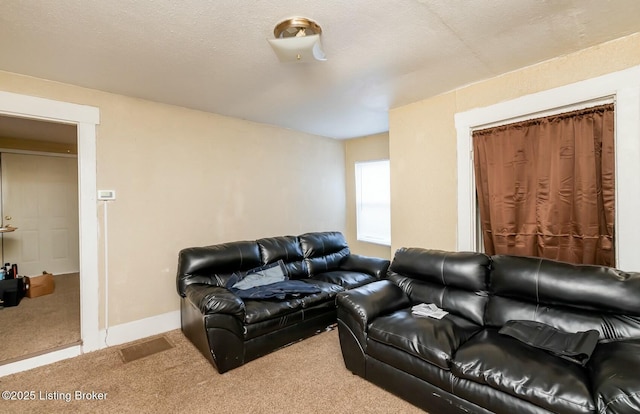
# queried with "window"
point(546, 186)
point(373, 202)
point(623, 87)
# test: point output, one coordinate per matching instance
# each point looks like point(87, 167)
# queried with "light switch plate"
point(106, 194)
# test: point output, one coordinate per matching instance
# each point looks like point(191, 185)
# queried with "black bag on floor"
point(11, 292)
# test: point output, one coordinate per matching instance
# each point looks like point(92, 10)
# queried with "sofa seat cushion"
point(345, 278)
point(529, 373)
point(432, 340)
point(615, 368)
point(262, 310)
point(328, 292)
point(263, 327)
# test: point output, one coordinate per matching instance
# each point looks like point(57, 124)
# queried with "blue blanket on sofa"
point(268, 282)
point(277, 290)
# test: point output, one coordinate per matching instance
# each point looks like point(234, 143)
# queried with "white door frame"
point(624, 88)
point(86, 118)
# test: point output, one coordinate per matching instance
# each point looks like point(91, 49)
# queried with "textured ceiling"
point(212, 55)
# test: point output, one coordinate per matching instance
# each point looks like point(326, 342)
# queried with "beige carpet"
point(44, 323)
point(306, 377)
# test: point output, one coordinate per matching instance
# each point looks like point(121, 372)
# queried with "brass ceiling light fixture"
point(298, 40)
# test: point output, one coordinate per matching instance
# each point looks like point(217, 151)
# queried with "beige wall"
point(422, 148)
point(370, 148)
point(422, 139)
point(187, 178)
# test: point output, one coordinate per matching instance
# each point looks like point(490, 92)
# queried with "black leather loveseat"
point(230, 331)
point(463, 363)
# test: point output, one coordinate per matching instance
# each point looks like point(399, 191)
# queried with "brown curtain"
point(546, 187)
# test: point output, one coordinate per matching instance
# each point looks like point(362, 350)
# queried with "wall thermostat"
point(106, 194)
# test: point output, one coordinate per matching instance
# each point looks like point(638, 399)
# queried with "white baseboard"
point(139, 329)
point(116, 335)
point(40, 360)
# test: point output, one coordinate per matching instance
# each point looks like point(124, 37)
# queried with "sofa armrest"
point(367, 302)
point(614, 370)
point(374, 266)
point(214, 299)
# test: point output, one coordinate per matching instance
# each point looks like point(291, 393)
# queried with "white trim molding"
point(40, 360)
point(86, 118)
point(142, 328)
point(25, 106)
point(623, 88)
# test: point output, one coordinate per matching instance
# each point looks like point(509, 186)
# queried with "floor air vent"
point(144, 349)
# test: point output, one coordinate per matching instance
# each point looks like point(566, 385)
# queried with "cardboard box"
point(40, 285)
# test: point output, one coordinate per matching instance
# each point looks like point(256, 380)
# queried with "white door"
point(40, 198)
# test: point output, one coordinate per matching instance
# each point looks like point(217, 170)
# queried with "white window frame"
point(623, 88)
point(362, 233)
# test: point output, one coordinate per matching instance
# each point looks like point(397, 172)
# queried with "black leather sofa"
point(462, 363)
point(230, 331)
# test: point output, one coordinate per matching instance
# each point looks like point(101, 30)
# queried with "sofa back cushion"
point(569, 297)
point(323, 251)
point(214, 265)
point(454, 281)
point(287, 249)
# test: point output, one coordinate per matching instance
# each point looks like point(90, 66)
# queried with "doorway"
point(39, 198)
point(85, 119)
